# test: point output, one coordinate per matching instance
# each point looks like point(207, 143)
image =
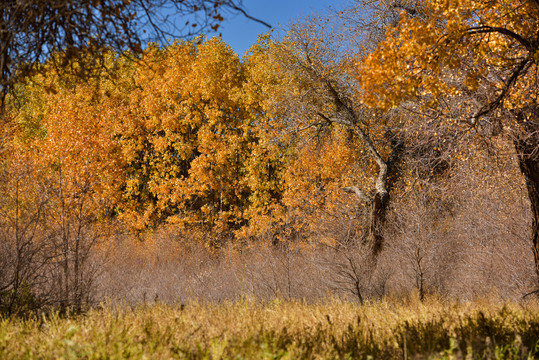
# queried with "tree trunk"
point(378, 204)
point(377, 220)
point(528, 159)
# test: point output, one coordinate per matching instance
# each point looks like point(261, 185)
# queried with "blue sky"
point(241, 33)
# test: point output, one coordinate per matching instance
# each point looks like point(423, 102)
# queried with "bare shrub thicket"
point(464, 234)
point(166, 267)
point(48, 243)
point(492, 228)
point(22, 259)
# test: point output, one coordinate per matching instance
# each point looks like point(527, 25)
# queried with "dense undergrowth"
point(278, 329)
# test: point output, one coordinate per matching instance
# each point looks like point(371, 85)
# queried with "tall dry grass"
point(248, 329)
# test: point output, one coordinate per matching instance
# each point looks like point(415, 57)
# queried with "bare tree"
point(22, 260)
point(319, 92)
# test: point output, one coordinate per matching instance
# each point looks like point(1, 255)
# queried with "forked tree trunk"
point(528, 159)
point(378, 203)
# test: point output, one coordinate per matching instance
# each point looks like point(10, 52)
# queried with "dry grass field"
point(246, 329)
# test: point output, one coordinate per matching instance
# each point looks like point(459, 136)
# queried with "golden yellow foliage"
point(191, 138)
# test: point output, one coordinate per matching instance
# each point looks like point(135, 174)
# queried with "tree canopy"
point(31, 31)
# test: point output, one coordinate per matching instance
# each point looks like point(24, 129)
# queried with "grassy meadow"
point(332, 329)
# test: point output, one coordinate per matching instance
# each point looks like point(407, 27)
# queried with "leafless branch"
point(359, 193)
point(493, 105)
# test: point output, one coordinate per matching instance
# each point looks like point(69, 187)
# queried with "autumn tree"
point(31, 31)
point(479, 56)
point(191, 140)
point(338, 143)
point(182, 130)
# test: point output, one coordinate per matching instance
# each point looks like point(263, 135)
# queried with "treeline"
point(369, 160)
